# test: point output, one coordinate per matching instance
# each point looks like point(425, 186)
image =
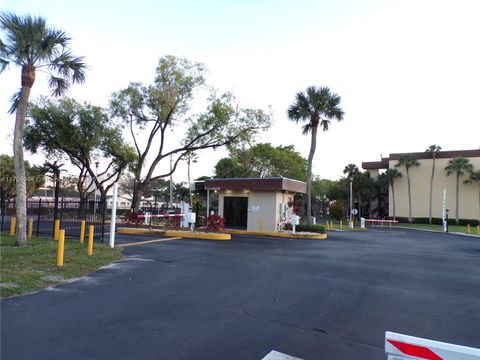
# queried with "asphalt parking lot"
point(240, 299)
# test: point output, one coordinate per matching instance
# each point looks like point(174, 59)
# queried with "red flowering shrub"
point(134, 218)
point(215, 223)
point(297, 210)
point(175, 222)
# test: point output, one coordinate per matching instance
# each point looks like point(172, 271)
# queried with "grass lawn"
point(451, 228)
point(32, 268)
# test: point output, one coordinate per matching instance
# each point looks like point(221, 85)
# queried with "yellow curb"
point(148, 242)
point(140, 231)
point(194, 235)
point(278, 234)
point(183, 234)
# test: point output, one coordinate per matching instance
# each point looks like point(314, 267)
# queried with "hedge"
point(307, 228)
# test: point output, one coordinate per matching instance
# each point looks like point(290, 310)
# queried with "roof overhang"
point(257, 184)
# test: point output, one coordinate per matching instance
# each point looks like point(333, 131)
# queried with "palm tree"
point(390, 176)
point(316, 106)
point(458, 166)
point(189, 158)
point(432, 152)
point(408, 161)
point(475, 177)
point(32, 46)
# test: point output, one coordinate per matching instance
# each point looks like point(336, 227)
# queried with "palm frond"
point(58, 85)
point(3, 65)
point(15, 99)
point(306, 129)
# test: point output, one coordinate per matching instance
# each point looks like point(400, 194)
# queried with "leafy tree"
point(34, 176)
point(389, 178)
point(320, 195)
point(90, 134)
point(432, 152)
point(263, 160)
point(33, 46)
point(408, 161)
point(458, 166)
point(157, 109)
point(336, 210)
point(318, 107)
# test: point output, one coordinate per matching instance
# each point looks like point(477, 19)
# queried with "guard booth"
point(255, 204)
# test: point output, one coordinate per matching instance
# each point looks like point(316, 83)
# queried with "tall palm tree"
point(475, 177)
point(432, 152)
point(408, 161)
point(390, 176)
point(32, 46)
point(458, 166)
point(317, 107)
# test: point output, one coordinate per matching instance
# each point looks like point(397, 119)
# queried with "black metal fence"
point(44, 212)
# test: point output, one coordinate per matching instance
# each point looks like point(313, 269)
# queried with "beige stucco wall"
point(420, 189)
point(263, 208)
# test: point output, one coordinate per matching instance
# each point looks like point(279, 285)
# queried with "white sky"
point(408, 71)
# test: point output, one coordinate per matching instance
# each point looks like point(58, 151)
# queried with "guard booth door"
point(235, 212)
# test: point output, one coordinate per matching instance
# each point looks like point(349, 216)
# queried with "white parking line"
point(149, 241)
point(275, 355)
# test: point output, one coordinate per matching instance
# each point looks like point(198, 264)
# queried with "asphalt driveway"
point(239, 299)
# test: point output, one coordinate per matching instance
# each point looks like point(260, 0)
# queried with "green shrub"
point(307, 228)
point(336, 210)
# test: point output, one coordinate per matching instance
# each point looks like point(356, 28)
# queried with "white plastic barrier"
point(401, 347)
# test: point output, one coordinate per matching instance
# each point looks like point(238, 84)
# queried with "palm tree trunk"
point(409, 198)
point(313, 147)
point(457, 199)
point(393, 201)
point(21, 180)
point(431, 192)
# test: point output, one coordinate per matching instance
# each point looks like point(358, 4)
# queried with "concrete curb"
point(436, 231)
point(279, 234)
point(168, 233)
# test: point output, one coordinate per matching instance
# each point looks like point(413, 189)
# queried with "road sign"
point(354, 211)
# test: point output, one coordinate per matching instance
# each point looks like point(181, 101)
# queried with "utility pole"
point(171, 180)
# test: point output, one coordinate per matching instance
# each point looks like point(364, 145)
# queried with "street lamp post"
point(350, 223)
point(96, 188)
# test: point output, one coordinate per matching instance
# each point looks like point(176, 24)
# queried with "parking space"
point(240, 299)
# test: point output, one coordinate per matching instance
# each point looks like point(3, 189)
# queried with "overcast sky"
point(408, 71)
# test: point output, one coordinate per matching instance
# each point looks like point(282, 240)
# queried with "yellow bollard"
point(90, 241)
point(56, 230)
point(82, 231)
point(61, 247)
point(468, 228)
point(13, 224)
point(30, 228)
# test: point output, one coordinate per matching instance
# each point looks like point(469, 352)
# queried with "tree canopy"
point(91, 135)
point(263, 160)
point(35, 177)
point(157, 109)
